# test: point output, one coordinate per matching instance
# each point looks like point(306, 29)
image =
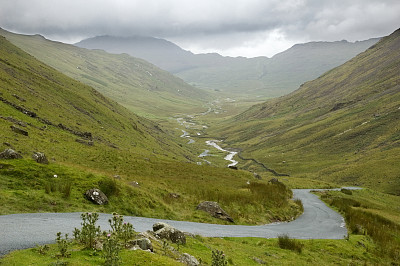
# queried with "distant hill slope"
point(260, 76)
point(67, 118)
point(343, 126)
point(135, 83)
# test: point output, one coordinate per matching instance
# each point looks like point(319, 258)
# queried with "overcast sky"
point(230, 27)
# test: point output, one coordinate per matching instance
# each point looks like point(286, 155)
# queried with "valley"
point(158, 147)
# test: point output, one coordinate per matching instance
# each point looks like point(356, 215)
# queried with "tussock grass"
point(285, 242)
point(361, 220)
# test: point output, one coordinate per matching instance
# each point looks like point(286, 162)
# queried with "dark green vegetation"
point(251, 77)
point(132, 82)
point(342, 127)
point(89, 139)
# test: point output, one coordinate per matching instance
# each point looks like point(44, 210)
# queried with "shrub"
point(109, 186)
point(89, 232)
point(218, 258)
point(285, 242)
point(111, 250)
point(62, 245)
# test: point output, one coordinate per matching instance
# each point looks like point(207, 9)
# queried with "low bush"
point(285, 242)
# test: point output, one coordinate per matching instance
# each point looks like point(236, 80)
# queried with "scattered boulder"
point(142, 243)
point(174, 195)
point(134, 184)
point(189, 260)
point(97, 196)
point(165, 231)
point(274, 181)
point(10, 154)
point(19, 130)
point(86, 142)
point(259, 261)
point(40, 157)
point(257, 176)
point(215, 210)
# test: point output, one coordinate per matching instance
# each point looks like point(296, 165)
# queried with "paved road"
point(21, 231)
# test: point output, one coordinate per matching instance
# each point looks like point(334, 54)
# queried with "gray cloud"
point(223, 25)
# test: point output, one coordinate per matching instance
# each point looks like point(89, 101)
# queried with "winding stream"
point(190, 125)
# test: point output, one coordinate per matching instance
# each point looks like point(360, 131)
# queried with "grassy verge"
point(26, 186)
point(356, 250)
point(373, 214)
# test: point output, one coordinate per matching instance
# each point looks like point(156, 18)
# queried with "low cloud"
point(241, 27)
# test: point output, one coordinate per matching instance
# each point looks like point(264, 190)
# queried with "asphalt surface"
point(21, 231)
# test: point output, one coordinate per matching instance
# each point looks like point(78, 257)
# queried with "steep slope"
point(138, 85)
point(343, 126)
point(93, 142)
point(260, 76)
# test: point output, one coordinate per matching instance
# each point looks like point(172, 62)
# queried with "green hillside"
point(341, 127)
point(89, 139)
point(132, 82)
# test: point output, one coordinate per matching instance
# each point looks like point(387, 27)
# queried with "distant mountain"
point(260, 76)
point(135, 83)
point(342, 127)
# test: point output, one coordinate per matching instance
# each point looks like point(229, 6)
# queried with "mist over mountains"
point(259, 76)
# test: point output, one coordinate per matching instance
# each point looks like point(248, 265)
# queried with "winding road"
point(21, 231)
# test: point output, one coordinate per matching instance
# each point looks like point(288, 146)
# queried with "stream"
point(191, 125)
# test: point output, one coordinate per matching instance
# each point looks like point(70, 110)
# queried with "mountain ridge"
point(258, 76)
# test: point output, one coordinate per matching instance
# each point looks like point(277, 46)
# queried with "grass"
point(357, 249)
point(370, 213)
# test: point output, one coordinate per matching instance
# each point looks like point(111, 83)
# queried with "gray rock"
point(215, 210)
point(40, 157)
point(97, 196)
point(189, 260)
point(10, 154)
point(142, 243)
point(174, 195)
point(165, 231)
point(274, 181)
point(259, 261)
point(19, 130)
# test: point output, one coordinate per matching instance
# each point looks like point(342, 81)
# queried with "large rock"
point(10, 154)
point(97, 196)
point(215, 210)
point(142, 243)
point(40, 157)
point(189, 260)
point(165, 231)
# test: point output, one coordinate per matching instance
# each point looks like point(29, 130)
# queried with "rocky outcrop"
point(19, 130)
point(215, 210)
point(96, 196)
point(40, 157)
point(142, 243)
point(189, 260)
point(10, 154)
point(165, 231)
